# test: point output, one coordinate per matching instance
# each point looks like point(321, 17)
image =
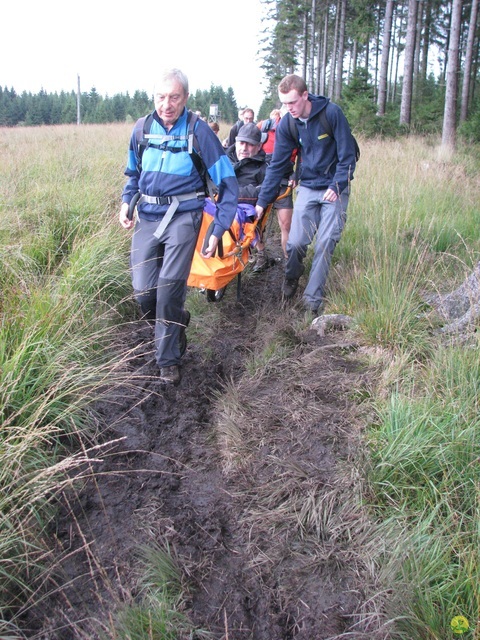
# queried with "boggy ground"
point(246, 471)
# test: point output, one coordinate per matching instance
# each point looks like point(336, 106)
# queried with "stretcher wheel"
point(215, 295)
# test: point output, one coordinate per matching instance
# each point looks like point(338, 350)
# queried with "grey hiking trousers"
point(160, 269)
point(314, 218)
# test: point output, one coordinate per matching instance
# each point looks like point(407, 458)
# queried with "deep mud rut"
point(264, 531)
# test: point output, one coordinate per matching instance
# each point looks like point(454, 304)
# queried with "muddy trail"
point(245, 472)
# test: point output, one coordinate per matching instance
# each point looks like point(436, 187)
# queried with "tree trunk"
point(354, 56)
point(393, 62)
point(407, 87)
point(319, 56)
point(418, 38)
point(426, 39)
point(377, 54)
point(387, 36)
point(322, 86)
point(305, 45)
point(443, 74)
point(313, 44)
point(367, 55)
point(475, 72)
point(449, 115)
point(468, 62)
point(333, 61)
point(399, 32)
point(341, 51)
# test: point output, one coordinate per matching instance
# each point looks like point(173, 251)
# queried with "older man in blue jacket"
point(172, 189)
point(326, 170)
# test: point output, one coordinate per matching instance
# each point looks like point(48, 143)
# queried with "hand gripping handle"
point(207, 240)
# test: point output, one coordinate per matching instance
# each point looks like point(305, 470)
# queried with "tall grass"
point(384, 294)
point(65, 284)
point(424, 473)
point(413, 219)
point(63, 279)
point(409, 231)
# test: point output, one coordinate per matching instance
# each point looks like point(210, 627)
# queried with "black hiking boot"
point(262, 262)
point(170, 375)
point(289, 288)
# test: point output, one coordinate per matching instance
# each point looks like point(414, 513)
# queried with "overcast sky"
point(117, 47)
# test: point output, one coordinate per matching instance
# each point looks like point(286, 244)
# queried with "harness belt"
point(173, 202)
point(169, 199)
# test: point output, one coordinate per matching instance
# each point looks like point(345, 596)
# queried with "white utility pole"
point(78, 99)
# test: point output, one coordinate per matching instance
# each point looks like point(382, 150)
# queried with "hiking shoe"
point(261, 263)
point(182, 340)
point(289, 287)
point(170, 375)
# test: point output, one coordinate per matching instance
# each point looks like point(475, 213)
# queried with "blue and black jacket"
point(326, 162)
point(165, 174)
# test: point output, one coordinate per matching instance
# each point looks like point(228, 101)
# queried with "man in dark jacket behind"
point(326, 170)
point(245, 116)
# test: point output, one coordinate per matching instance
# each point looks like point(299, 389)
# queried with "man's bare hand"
point(330, 195)
point(212, 247)
point(259, 211)
point(123, 217)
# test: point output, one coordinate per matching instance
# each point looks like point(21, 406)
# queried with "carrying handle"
point(207, 240)
point(133, 204)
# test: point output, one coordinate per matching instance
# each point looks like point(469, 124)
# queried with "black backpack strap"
point(193, 147)
point(293, 128)
point(267, 125)
point(196, 155)
point(294, 133)
point(328, 130)
point(142, 126)
point(325, 122)
point(145, 139)
point(142, 131)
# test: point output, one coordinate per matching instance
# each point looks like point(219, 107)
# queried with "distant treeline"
point(31, 109)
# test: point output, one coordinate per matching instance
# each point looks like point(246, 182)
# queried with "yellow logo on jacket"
point(324, 135)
